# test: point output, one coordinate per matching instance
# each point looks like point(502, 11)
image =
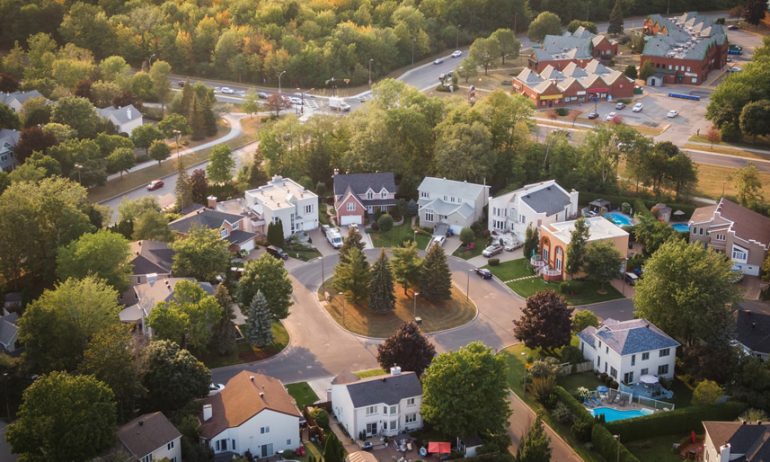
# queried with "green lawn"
point(585, 379)
point(657, 449)
point(302, 394)
point(369, 373)
point(528, 287)
point(245, 353)
point(302, 253)
point(513, 269)
point(479, 244)
point(398, 234)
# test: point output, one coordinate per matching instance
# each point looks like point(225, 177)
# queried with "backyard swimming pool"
point(620, 219)
point(611, 414)
point(681, 227)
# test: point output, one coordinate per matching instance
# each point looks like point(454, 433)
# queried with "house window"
point(371, 428)
point(607, 350)
point(445, 198)
point(147, 458)
point(410, 402)
point(600, 343)
point(393, 424)
point(633, 360)
point(170, 446)
point(613, 373)
point(424, 194)
point(223, 233)
point(393, 409)
point(383, 194)
point(645, 356)
point(740, 254)
point(700, 231)
point(369, 195)
point(428, 216)
point(264, 429)
point(288, 442)
point(351, 206)
point(719, 237)
point(665, 352)
point(385, 410)
point(411, 418)
point(598, 361)
point(628, 377)
point(309, 208)
point(371, 410)
point(645, 371)
point(663, 369)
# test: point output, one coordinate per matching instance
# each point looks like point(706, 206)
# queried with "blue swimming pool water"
point(612, 414)
point(620, 219)
point(681, 227)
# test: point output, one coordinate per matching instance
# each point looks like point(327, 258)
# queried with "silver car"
point(492, 250)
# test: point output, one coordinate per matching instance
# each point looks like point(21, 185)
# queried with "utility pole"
point(414, 310)
point(279, 81)
point(371, 60)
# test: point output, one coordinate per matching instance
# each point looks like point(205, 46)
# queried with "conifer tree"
point(576, 251)
point(616, 19)
point(259, 322)
point(435, 278)
point(183, 186)
point(197, 119)
point(223, 339)
point(536, 445)
point(351, 277)
point(381, 296)
point(353, 239)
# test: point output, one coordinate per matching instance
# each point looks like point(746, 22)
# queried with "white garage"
point(346, 220)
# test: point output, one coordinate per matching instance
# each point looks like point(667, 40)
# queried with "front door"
point(267, 450)
point(371, 428)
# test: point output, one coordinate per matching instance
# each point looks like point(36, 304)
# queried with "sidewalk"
point(522, 418)
point(763, 152)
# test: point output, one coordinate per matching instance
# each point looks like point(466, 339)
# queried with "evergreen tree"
point(223, 339)
point(616, 19)
point(576, 251)
point(406, 265)
point(275, 234)
point(187, 100)
point(353, 239)
point(197, 119)
point(333, 449)
point(351, 277)
point(435, 278)
point(531, 242)
point(381, 296)
point(259, 322)
point(754, 11)
point(536, 445)
point(183, 187)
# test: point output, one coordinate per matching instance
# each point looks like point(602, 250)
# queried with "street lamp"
point(371, 60)
point(414, 311)
point(79, 167)
point(279, 81)
point(468, 285)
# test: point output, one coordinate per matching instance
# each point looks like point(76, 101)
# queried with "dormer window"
point(223, 233)
point(369, 195)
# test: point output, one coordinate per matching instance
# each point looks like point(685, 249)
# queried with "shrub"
point(582, 420)
point(568, 287)
point(607, 445)
point(581, 429)
point(467, 236)
point(562, 111)
point(571, 354)
point(707, 392)
point(678, 421)
point(730, 132)
point(320, 416)
point(631, 72)
point(493, 261)
point(385, 222)
point(562, 414)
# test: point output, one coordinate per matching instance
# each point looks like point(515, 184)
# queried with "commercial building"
point(683, 49)
point(578, 47)
point(573, 84)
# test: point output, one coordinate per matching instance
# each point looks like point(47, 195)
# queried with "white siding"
point(609, 359)
point(171, 451)
point(355, 420)
point(283, 434)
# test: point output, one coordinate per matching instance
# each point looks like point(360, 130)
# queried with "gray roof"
point(359, 183)
point(549, 200)
point(688, 36)
point(147, 433)
point(752, 325)
point(151, 257)
point(441, 186)
point(205, 217)
point(147, 295)
point(239, 237)
point(20, 96)
point(748, 442)
point(388, 389)
point(8, 138)
point(565, 46)
point(8, 330)
point(121, 114)
point(628, 337)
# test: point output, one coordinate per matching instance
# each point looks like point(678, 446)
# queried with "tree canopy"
point(201, 254)
point(104, 254)
point(408, 349)
point(173, 376)
point(546, 321)
point(188, 318)
point(266, 274)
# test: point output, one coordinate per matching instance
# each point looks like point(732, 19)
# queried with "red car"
point(155, 184)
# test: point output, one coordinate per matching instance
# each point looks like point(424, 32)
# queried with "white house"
point(736, 441)
point(628, 350)
point(151, 437)
point(457, 204)
point(8, 140)
point(384, 405)
point(286, 200)
point(252, 413)
point(125, 118)
point(531, 205)
point(16, 99)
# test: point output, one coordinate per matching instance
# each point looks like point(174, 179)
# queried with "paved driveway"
point(5, 449)
point(621, 309)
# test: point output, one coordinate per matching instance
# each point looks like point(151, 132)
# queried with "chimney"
point(261, 394)
point(211, 202)
point(141, 422)
point(251, 377)
point(207, 412)
point(395, 370)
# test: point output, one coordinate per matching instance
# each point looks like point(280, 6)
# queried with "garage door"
point(350, 219)
point(248, 246)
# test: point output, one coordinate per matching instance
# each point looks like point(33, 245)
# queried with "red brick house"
point(684, 49)
point(579, 47)
point(358, 194)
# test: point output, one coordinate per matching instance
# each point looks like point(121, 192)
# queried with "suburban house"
point(683, 49)
point(531, 205)
point(741, 234)
point(575, 83)
point(578, 47)
point(736, 441)
point(752, 328)
point(286, 200)
point(252, 413)
point(150, 259)
point(629, 351)
point(9, 331)
point(385, 405)
point(8, 140)
point(233, 228)
point(151, 437)
point(141, 299)
point(356, 194)
point(555, 239)
point(16, 99)
point(458, 204)
point(125, 118)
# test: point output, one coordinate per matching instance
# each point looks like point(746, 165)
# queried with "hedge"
point(572, 403)
point(679, 421)
point(607, 445)
point(616, 200)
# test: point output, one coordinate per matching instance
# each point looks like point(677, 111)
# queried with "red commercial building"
point(683, 49)
point(579, 47)
point(573, 84)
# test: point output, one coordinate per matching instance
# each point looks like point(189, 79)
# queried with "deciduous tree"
point(224, 335)
point(602, 263)
point(79, 114)
point(120, 160)
point(706, 392)
point(748, 186)
point(408, 349)
point(266, 274)
point(507, 43)
point(103, 254)
point(144, 135)
point(8, 118)
point(201, 254)
point(173, 376)
point(546, 23)
point(381, 297)
point(546, 321)
point(582, 319)
point(221, 164)
point(754, 11)
point(485, 51)
point(188, 318)
point(435, 278)
point(159, 151)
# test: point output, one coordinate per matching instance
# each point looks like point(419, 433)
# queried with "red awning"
point(439, 447)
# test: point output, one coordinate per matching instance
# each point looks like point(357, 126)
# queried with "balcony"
point(537, 262)
point(550, 274)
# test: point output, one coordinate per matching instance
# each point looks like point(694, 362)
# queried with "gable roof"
point(121, 115)
point(8, 138)
point(244, 396)
point(628, 337)
point(750, 442)
point(20, 96)
point(150, 293)
point(688, 36)
point(745, 223)
point(8, 330)
point(388, 389)
point(752, 325)
point(549, 200)
point(147, 433)
point(206, 217)
point(151, 257)
point(359, 183)
point(442, 186)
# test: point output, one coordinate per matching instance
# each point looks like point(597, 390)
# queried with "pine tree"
point(223, 338)
point(536, 445)
point(616, 19)
point(353, 239)
point(576, 251)
point(333, 449)
point(275, 234)
point(184, 191)
point(435, 278)
point(381, 296)
point(197, 119)
point(351, 277)
point(259, 322)
point(531, 242)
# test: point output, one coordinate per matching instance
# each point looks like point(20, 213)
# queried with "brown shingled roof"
point(246, 395)
point(702, 214)
point(147, 433)
point(748, 224)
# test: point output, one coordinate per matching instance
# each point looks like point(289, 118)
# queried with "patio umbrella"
point(602, 389)
point(435, 447)
point(679, 212)
point(648, 379)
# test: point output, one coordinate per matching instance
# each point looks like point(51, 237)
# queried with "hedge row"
point(609, 447)
point(586, 197)
point(679, 421)
point(577, 408)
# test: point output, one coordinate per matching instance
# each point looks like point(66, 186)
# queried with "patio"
point(648, 386)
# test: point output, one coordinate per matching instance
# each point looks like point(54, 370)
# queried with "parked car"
point(227, 90)
point(492, 250)
point(484, 273)
point(732, 27)
point(593, 115)
point(441, 76)
point(295, 100)
point(457, 53)
point(512, 245)
point(438, 61)
point(363, 99)
point(672, 113)
point(638, 107)
point(155, 184)
point(630, 278)
point(734, 69)
point(215, 388)
point(610, 116)
point(437, 240)
point(263, 95)
point(620, 106)
point(277, 252)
